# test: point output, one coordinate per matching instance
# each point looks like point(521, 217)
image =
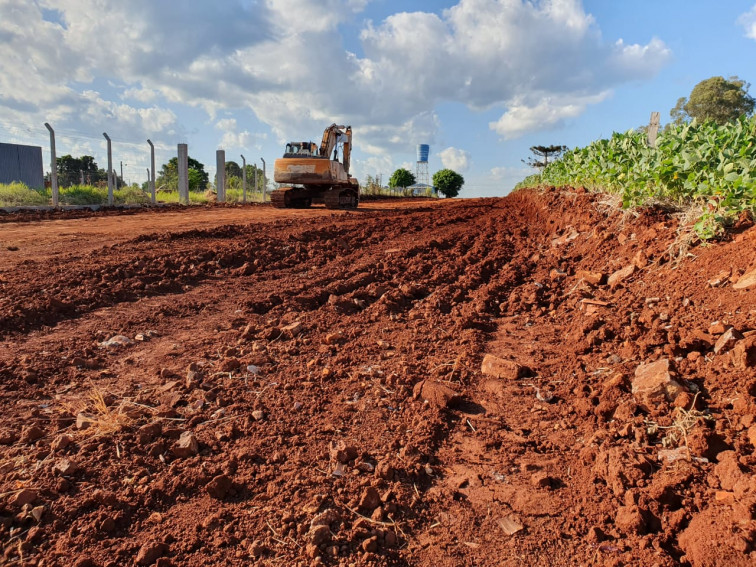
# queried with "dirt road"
point(307, 388)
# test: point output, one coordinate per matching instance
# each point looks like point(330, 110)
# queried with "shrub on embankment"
point(19, 195)
point(709, 165)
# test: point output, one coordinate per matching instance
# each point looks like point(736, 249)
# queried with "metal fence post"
point(151, 174)
point(183, 173)
point(53, 166)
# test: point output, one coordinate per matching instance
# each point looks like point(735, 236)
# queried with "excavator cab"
point(315, 173)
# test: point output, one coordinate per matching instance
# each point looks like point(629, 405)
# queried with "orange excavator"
point(315, 174)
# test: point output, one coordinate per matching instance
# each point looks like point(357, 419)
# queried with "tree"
point(233, 170)
point(544, 152)
point(716, 99)
point(168, 177)
point(401, 178)
point(71, 169)
point(448, 182)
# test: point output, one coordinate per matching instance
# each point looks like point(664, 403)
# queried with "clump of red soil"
point(312, 391)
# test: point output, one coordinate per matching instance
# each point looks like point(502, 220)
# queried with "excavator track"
point(290, 198)
point(341, 198)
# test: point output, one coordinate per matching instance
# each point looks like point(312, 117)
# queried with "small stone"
point(257, 549)
point(503, 368)
point(621, 275)
point(186, 446)
point(341, 452)
point(116, 341)
point(744, 353)
point(66, 467)
point(653, 384)
point(389, 540)
point(292, 330)
point(436, 393)
point(229, 365)
point(640, 260)
point(83, 420)
point(319, 535)
point(543, 480)
point(370, 545)
point(334, 338)
point(630, 520)
point(150, 552)
point(23, 497)
point(32, 433)
point(258, 415)
point(727, 340)
point(370, 499)
point(593, 278)
point(717, 328)
point(8, 437)
point(149, 432)
point(510, 525)
point(61, 442)
point(219, 486)
point(752, 435)
point(297, 406)
point(746, 281)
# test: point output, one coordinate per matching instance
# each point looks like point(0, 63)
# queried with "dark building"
point(21, 163)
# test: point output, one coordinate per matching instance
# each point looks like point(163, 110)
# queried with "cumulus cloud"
point(542, 62)
point(748, 21)
point(456, 159)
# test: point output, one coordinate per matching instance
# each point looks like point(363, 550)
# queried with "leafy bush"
point(710, 165)
point(19, 195)
point(131, 196)
point(83, 195)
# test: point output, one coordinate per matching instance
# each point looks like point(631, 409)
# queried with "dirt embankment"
point(523, 381)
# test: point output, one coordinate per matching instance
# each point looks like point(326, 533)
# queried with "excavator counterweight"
point(313, 173)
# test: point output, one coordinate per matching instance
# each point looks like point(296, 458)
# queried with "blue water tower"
point(423, 150)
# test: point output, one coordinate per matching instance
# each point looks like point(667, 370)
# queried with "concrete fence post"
point(653, 129)
point(244, 180)
point(110, 170)
point(151, 173)
point(255, 174)
point(265, 181)
point(183, 173)
point(220, 175)
point(53, 166)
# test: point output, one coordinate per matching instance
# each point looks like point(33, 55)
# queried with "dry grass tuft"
point(102, 418)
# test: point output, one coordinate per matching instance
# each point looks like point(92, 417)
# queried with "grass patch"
point(19, 195)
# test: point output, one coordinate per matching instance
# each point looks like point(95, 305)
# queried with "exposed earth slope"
point(539, 379)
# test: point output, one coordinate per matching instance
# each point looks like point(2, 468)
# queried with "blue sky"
point(479, 80)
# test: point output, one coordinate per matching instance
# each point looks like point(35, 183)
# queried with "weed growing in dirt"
point(19, 195)
point(683, 422)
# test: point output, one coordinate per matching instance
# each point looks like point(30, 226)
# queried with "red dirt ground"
point(307, 387)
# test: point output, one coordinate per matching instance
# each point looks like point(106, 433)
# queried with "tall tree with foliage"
point(448, 182)
point(542, 154)
point(717, 99)
point(71, 169)
point(168, 177)
point(402, 178)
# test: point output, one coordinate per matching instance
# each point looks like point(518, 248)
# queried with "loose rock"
point(727, 340)
point(502, 368)
point(186, 446)
point(150, 552)
point(653, 384)
point(621, 275)
point(219, 486)
point(436, 393)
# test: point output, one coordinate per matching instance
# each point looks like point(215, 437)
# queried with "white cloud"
point(456, 159)
point(544, 114)
point(748, 21)
point(541, 61)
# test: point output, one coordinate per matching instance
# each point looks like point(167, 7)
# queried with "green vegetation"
point(401, 178)
point(542, 154)
point(448, 182)
point(19, 195)
point(168, 177)
point(704, 164)
point(715, 99)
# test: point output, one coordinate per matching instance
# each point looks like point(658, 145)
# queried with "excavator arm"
point(331, 137)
